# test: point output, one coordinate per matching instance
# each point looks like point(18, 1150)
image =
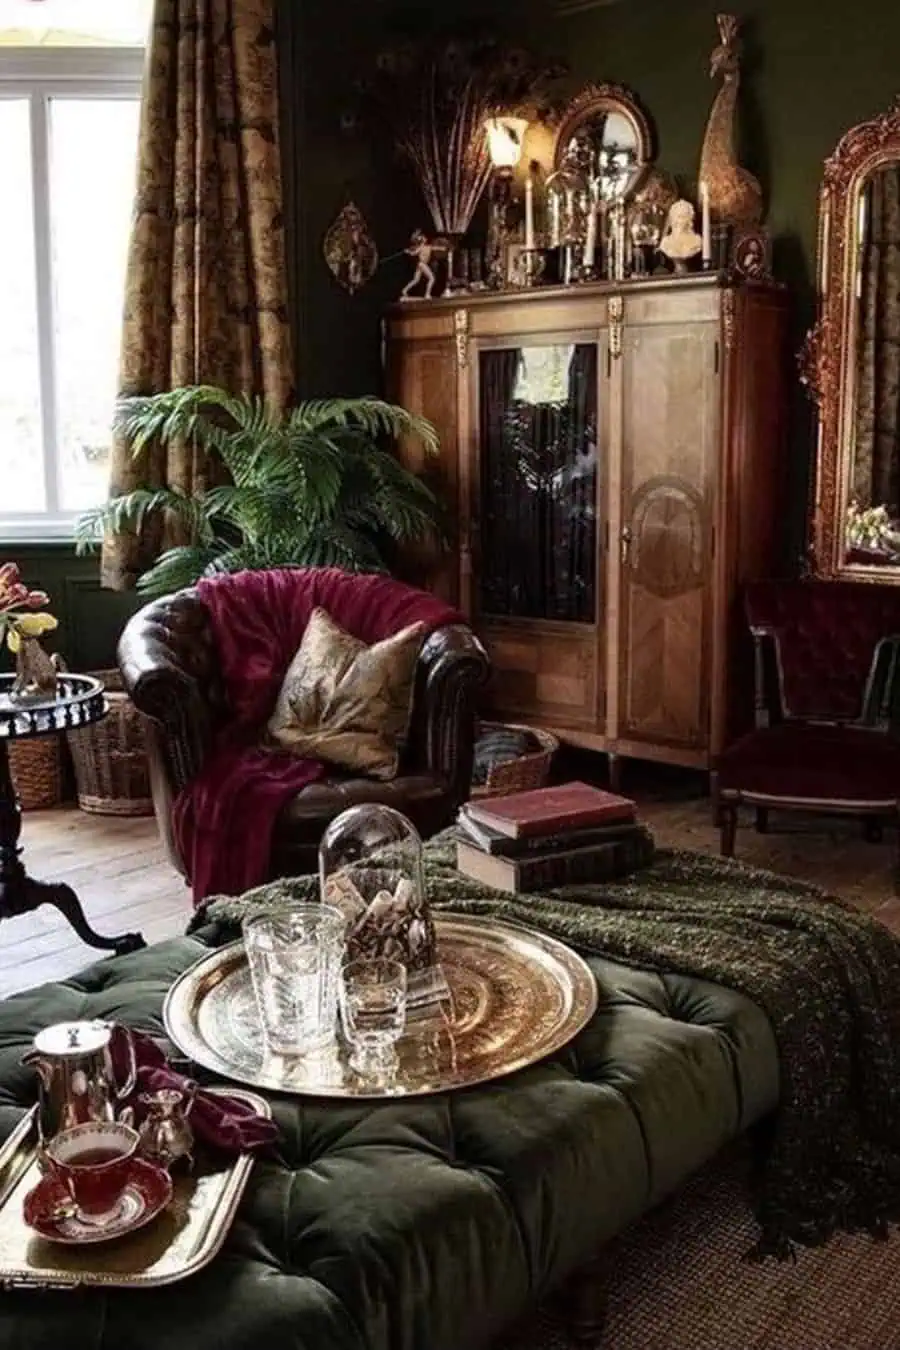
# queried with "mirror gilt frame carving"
point(827, 357)
point(596, 98)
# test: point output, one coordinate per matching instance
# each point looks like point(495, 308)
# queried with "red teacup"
point(94, 1163)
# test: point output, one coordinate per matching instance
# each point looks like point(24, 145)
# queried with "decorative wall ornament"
point(349, 249)
point(735, 196)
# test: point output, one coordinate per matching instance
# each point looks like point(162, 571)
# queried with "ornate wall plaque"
point(349, 249)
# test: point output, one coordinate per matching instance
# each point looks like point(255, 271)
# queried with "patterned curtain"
point(876, 467)
point(206, 290)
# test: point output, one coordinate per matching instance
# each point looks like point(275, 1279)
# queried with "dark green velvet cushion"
point(428, 1224)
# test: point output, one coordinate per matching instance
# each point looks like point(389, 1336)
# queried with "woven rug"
point(680, 1283)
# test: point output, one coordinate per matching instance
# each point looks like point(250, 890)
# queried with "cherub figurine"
point(423, 251)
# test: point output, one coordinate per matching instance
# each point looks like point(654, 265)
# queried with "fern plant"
point(314, 486)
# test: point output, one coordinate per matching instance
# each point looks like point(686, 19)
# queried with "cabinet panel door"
point(537, 595)
point(422, 378)
point(670, 435)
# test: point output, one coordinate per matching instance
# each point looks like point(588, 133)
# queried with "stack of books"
point(549, 837)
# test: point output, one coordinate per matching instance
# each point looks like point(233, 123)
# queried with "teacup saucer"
point(48, 1208)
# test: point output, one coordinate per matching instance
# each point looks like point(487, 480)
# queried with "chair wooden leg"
point(727, 828)
point(716, 799)
point(762, 819)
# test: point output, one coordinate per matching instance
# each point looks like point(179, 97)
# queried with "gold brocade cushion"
point(345, 702)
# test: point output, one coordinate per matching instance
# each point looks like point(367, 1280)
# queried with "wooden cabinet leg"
point(615, 772)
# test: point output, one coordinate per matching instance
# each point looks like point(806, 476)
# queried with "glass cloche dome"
point(370, 867)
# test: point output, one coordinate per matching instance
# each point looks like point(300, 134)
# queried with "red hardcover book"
point(571, 806)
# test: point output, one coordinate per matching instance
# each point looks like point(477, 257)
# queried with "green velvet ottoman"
point(427, 1224)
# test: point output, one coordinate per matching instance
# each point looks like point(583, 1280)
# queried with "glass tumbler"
point(295, 956)
point(373, 1008)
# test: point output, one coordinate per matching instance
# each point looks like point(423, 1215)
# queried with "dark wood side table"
point(79, 701)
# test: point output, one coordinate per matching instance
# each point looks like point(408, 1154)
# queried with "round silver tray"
point(516, 996)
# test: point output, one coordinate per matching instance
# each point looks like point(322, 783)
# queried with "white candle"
point(590, 243)
point(707, 225)
point(529, 212)
point(570, 214)
point(554, 220)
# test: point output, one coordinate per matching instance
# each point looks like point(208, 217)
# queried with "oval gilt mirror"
point(607, 136)
point(852, 358)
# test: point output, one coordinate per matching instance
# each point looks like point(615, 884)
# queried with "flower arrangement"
point(22, 613)
point(868, 527)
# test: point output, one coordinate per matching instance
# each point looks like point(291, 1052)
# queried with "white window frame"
point(40, 74)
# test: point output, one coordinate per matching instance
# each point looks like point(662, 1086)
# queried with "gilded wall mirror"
point(852, 357)
point(606, 136)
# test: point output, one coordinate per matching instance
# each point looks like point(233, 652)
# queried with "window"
point(70, 75)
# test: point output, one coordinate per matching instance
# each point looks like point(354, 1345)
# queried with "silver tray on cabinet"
point(516, 997)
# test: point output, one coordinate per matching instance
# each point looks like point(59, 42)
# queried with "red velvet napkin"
point(224, 1123)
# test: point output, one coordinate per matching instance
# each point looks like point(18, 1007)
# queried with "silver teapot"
point(74, 1064)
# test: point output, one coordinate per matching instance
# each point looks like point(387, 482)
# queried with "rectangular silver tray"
point(181, 1241)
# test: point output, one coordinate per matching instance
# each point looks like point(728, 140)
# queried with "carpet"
point(680, 1282)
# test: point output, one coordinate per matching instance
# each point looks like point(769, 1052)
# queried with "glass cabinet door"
point(538, 474)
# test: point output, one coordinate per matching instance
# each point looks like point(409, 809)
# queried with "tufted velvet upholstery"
point(427, 1224)
point(825, 634)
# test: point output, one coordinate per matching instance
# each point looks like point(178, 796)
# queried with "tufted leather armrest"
point(168, 662)
point(452, 668)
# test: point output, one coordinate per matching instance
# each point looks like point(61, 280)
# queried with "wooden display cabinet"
point(613, 458)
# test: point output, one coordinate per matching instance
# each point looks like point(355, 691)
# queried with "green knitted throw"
point(827, 977)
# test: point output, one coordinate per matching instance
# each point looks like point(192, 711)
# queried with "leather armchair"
point(169, 664)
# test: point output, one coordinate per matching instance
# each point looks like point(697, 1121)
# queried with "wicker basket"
point(35, 766)
point(110, 757)
point(525, 771)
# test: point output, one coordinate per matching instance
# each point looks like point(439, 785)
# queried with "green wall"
point(808, 75)
point(812, 68)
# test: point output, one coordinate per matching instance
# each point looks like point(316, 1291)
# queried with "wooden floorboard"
point(119, 869)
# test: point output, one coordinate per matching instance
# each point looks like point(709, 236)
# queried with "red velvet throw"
point(226, 1124)
point(224, 819)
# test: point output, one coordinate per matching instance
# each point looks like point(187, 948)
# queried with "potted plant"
point(314, 486)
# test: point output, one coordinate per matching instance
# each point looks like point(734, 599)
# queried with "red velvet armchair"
point(827, 734)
